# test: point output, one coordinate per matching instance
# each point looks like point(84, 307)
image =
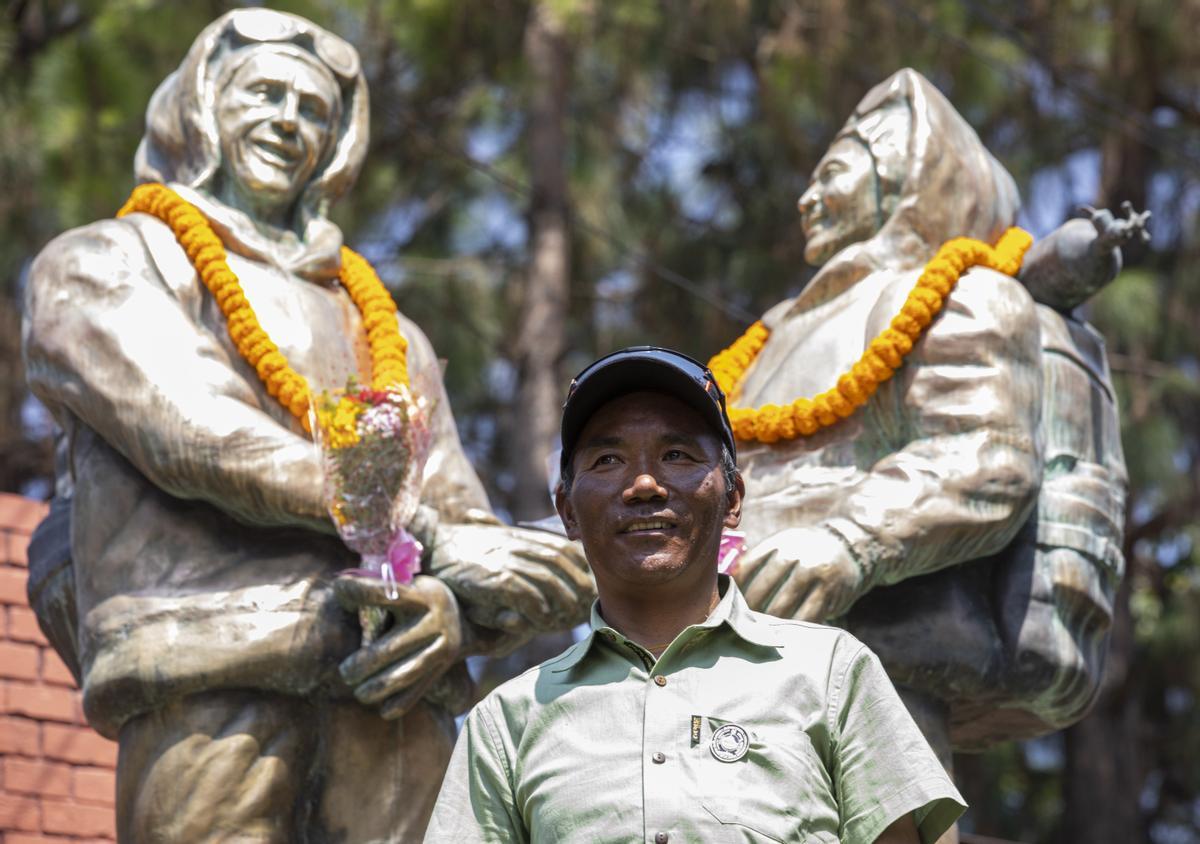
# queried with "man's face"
point(841, 204)
point(648, 500)
point(274, 117)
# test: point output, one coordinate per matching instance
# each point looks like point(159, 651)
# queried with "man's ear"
point(566, 512)
point(734, 516)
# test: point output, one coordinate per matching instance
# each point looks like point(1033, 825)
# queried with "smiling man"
point(683, 716)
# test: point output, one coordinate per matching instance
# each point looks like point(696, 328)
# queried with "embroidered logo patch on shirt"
point(695, 730)
point(729, 743)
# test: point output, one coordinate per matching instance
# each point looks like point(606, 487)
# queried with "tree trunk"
point(1102, 775)
point(1102, 779)
point(542, 317)
point(1125, 157)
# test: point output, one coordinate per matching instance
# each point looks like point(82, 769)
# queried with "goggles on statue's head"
point(640, 368)
point(267, 26)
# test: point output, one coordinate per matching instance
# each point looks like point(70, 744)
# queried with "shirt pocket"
point(771, 792)
point(729, 814)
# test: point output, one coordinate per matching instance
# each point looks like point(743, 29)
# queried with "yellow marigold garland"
point(884, 355)
point(389, 358)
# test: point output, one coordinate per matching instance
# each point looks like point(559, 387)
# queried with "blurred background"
point(554, 179)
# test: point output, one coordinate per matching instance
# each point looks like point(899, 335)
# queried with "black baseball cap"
point(643, 368)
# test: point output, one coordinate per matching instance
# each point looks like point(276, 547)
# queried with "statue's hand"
point(804, 573)
point(515, 580)
point(426, 639)
point(1117, 231)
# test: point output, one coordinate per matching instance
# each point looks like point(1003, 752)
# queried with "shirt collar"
point(732, 611)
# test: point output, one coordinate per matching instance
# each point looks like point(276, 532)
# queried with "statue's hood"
point(182, 144)
point(950, 185)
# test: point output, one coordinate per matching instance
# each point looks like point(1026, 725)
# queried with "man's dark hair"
point(728, 468)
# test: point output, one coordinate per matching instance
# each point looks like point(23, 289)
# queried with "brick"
point(23, 626)
point(12, 586)
point(29, 776)
point(30, 838)
point(95, 785)
point(18, 737)
point(46, 703)
point(20, 813)
point(20, 514)
point(54, 671)
point(68, 817)
point(17, 549)
point(19, 661)
point(78, 745)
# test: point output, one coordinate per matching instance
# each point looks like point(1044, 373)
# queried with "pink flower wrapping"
point(733, 543)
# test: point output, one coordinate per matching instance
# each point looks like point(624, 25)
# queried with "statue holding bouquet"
point(931, 446)
point(189, 570)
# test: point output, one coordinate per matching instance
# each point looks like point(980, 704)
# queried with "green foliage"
point(1131, 308)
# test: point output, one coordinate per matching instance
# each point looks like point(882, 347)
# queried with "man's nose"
point(645, 487)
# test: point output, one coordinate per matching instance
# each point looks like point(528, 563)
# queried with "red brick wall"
point(57, 776)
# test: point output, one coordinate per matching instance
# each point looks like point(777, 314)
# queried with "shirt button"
point(660, 680)
point(659, 758)
point(661, 838)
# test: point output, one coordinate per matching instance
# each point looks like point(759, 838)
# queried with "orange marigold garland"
point(389, 358)
point(884, 355)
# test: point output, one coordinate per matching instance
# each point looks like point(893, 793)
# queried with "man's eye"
point(606, 460)
point(675, 454)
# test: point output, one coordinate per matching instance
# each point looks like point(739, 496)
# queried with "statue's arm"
point(512, 582)
point(108, 342)
point(967, 407)
point(450, 485)
point(960, 480)
point(496, 586)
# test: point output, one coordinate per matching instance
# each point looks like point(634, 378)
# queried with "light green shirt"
point(603, 743)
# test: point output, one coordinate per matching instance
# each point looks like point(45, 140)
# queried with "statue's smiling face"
point(275, 117)
point(842, 204)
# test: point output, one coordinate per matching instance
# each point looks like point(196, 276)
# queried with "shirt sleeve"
point(476, 803)
point(882, 766)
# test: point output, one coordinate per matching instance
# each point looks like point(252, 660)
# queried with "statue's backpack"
point(1056, 581)
point(51, 584)
point(1055, 587)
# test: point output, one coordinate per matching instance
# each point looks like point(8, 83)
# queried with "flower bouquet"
point(374, 444)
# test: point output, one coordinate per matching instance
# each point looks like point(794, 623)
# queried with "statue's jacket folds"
point(203, 553)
